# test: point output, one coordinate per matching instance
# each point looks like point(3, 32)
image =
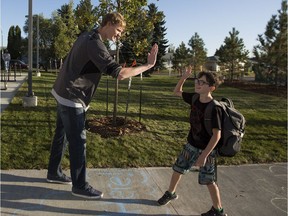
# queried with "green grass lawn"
point(26, 133)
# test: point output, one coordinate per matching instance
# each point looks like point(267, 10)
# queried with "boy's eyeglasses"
point(201, 82)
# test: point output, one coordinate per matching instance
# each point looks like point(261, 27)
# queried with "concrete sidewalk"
point(12, 87)
point(250, 190)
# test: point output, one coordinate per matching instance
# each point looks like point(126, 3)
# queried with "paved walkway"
point(12, 87)
point(250, 190)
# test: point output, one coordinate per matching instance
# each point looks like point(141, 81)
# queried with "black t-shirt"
point(198, 136)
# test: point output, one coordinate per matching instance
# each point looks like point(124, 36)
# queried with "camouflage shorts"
point(207, 173)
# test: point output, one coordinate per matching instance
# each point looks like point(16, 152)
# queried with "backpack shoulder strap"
point(208, 116)
point(228, 102)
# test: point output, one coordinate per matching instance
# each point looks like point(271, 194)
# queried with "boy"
point(200, 148)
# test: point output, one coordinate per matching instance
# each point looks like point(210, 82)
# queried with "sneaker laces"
point(92, 190)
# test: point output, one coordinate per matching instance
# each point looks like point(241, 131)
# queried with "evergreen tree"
point(67, 30)
point(14, 42)
point(232, 54)
point(85, 15)
point(17, 42)
point(198, 53)
point(181, 58)
point(159, 33)
point(10, 44)
point(271, 53)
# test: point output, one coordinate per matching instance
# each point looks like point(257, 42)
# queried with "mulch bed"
point(106, 128)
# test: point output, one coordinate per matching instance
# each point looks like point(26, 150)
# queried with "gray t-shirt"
point(82, 70)
point(6, 57)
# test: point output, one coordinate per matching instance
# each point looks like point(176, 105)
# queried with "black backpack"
point(233, 125)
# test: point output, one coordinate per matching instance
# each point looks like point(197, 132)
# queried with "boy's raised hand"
point(188, 72)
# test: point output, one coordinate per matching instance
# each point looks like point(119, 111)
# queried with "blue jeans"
point(70, 129)
point(6, 65)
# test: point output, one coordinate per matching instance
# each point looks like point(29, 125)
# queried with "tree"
point(47, 34)
point(181, 57)
point(66, 29)
point(198, 52)
point(137, 36)
point(232, 54)
point(85, 15)
point(133, 11)
point(14, 42)
point(271, 53)
point(158, 35)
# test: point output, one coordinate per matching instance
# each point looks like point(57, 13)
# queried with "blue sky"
point(211, 19)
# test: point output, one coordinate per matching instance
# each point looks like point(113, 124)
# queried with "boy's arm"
point(211, 145)
point(179, 87)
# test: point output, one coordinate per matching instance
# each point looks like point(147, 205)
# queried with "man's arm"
point(134, 71)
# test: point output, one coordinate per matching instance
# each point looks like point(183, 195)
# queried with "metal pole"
point(30, 100)
point(115, 110)
point(3, 74)
point(140, 102)
point(128, 97)
point(37, 44)
point(107, 94)
point(30, 49)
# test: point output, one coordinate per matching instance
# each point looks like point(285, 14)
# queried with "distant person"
point(200, 149)
point(6, 58)
point(74, 89)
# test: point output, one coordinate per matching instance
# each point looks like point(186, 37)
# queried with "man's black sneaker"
point(59, 179)
point(213, 212)
point(166, 198)
point(88, 193)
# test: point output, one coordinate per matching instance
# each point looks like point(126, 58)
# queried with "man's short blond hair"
point(114, 18)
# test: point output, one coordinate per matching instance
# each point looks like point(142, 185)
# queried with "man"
point(74, 89)
point(6, 58)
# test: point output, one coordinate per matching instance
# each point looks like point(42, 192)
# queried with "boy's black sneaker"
point(88, 193)
point(59, 179)
point(213, 212)
point(166, 198)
